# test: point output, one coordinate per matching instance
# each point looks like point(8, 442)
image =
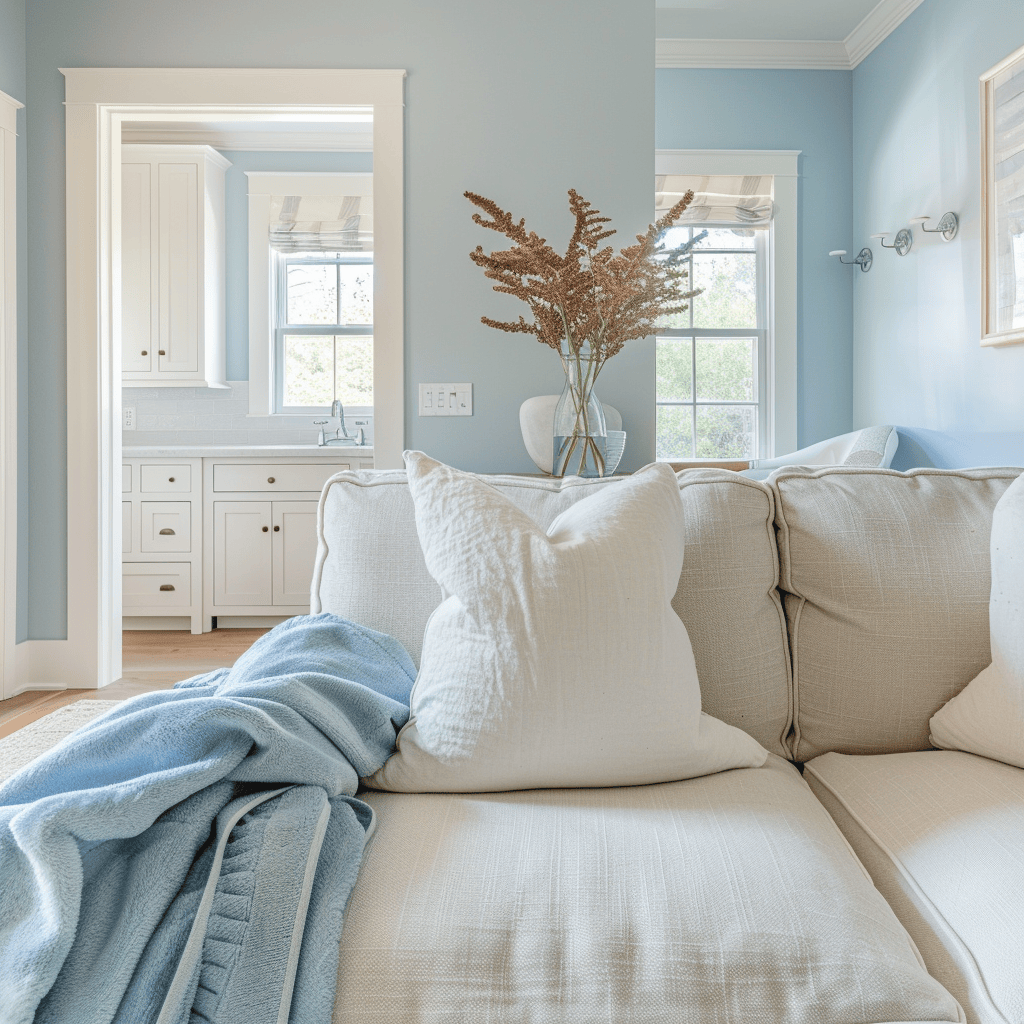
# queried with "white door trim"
point(99, 100)
point(8, 392)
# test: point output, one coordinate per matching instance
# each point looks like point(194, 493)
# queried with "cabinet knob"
point(277, 529)
point(170, 479)
point(265, 528)
point(270, 479)
point(161, 352)
point(166, 586)
point(166, 532)
point(145, 352)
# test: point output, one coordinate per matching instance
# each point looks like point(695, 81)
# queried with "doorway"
point(99, 103)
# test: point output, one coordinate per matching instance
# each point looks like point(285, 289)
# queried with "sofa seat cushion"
point(370, 568)
point(729, 899)
point(942, 833)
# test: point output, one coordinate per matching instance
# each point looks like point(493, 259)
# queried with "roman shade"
point(746, 201)
point(321, 223)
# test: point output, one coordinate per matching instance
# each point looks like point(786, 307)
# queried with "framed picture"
point(1002, 202)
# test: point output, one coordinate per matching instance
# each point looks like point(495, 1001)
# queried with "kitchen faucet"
point(341, 435)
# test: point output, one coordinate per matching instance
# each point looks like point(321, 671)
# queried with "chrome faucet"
point(341, 435)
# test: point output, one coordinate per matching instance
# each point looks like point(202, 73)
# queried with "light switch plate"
point(446, 400)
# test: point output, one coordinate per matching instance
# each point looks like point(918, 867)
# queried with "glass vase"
point(580, 435)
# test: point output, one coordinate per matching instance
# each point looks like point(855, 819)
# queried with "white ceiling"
point(760, 19)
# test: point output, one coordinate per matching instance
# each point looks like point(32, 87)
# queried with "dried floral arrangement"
point(591, 298)
point(592, 295)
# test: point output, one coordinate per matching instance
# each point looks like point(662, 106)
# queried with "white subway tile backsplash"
point(199, 416)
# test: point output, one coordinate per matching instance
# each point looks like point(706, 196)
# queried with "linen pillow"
point(987, 716)
point(555, 658)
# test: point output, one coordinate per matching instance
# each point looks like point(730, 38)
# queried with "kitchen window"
point(323, 332)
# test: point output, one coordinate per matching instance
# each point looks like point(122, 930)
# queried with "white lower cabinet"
point(161, 544)
point(226, 540)
point(260, 534)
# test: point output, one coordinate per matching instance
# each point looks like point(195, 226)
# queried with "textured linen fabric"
point(730, 899)
point(886, 582)
point(941, 833)
point(555, 658)
point(370, 569)
point(987, 717)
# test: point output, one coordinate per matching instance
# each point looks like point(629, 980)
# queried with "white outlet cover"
point(128, 417)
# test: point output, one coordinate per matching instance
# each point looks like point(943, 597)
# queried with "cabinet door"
point(138, 308)
point(294, 550)
point(179, 296)
point(242, 553)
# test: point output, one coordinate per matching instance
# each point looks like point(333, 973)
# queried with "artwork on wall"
point(1002, 202)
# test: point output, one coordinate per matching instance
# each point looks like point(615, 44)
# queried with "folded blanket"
point(192, 851)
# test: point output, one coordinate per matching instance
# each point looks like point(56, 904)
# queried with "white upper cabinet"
point(172, 266)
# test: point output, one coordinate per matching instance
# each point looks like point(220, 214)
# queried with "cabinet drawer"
point(126, 478)
point(155, 585)
point(167, 479)
point(265, 477)
point(166, 526)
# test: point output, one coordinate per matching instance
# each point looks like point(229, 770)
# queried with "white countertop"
point(236, 451)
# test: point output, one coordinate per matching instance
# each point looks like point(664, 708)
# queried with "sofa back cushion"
point(370, 569)
point(885, 578)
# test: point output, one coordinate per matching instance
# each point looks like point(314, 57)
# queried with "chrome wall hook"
point(863, 260)
point(948, 226)
point(902, 243)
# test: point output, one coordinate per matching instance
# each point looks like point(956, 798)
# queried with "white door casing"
point(98, 102)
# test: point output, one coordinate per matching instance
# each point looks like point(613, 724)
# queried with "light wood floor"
point(152, 660)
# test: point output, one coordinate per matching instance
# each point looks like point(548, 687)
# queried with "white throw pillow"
point(987, 716)
point(555, 658)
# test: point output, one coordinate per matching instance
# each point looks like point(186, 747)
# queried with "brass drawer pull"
point(270, 479)
point(170, 479)
point(166, 586)
point(166, 532)
point(265, 528)
point(277, 529)
point(144, 352)
point(162, 352)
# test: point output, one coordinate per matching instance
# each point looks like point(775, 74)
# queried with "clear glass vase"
point(580, 435)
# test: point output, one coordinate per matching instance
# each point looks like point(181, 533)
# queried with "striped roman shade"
point(321, 223)
point(722, 199)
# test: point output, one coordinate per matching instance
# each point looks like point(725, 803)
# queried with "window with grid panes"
point(711, 359)
point(323, 334)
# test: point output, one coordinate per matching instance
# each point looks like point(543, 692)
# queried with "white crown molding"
point(880, 21)
point(286, 142)
point(815, 54)
point(799, 54)
point(9, 108)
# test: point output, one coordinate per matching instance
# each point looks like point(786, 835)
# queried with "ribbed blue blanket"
point(189, 855)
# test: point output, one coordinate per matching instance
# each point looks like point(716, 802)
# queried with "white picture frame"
point(1002, 202)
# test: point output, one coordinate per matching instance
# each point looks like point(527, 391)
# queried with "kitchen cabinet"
point(172, 266)
point(261, 536)
point(161, 544)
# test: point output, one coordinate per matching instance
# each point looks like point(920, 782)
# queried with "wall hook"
point(863, 260)
point(902, 243)
point(948, 226)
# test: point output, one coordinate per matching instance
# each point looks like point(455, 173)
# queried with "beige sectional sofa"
point(859, 876)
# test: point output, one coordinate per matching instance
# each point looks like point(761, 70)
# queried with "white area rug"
point(37, 737)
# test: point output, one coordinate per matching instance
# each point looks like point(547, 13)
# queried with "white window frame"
point(263, 369)
point(281, 328)
point(762, 257)
point(779, 357)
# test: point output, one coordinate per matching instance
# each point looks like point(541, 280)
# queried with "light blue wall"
point(519, 101)
point(916, 150)
point(12, 82)
point(809, 111)
point(236, 230)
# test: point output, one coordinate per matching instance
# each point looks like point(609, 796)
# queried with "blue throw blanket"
point(189, 855)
